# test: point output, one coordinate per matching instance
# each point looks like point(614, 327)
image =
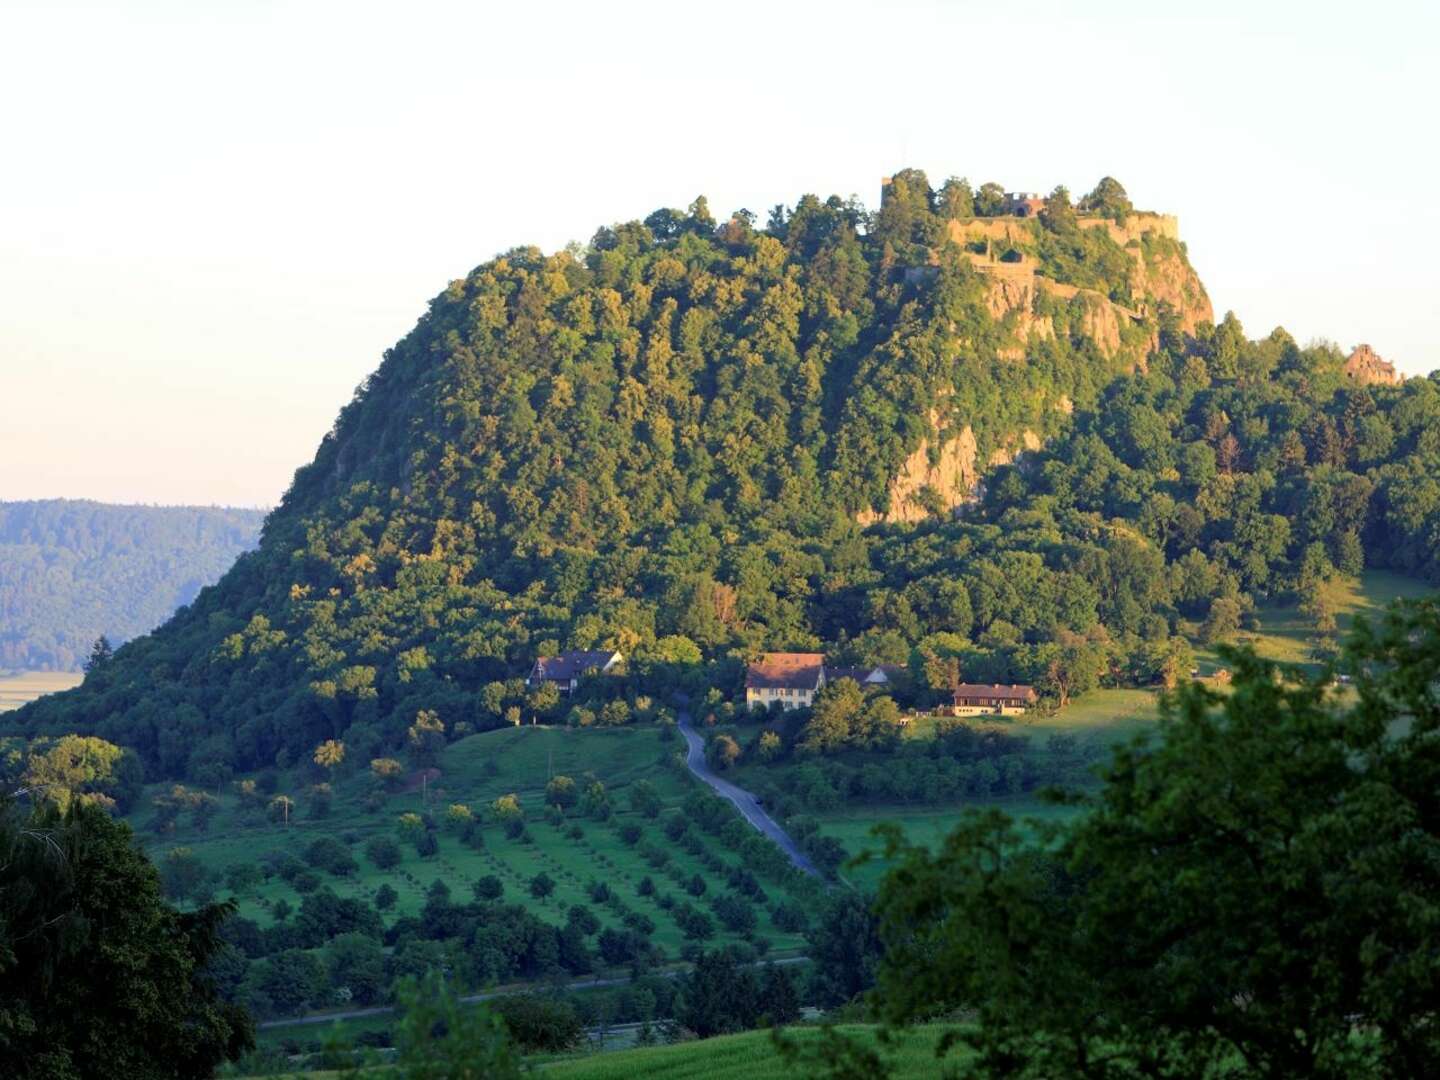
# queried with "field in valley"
point(21, 687)
point(476, 771)
point(1105, 716)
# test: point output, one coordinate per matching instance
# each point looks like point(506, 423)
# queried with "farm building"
point(971, 699)
point(565, 670)
point(793, 679)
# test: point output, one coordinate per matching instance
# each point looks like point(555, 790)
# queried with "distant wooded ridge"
point(72, 570)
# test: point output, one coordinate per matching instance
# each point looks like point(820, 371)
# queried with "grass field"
point(1286, 635)
point(750, 1056)
point(19, 688)
point(1109, 715)
point(475, 771)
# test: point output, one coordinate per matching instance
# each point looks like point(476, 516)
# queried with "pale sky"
point(215, 216)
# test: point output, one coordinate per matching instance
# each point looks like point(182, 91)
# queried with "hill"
point(962, 432)
point(72, 570)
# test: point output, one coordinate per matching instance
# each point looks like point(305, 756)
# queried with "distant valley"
point(73, 570)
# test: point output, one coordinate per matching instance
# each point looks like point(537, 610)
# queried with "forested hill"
point(72, 570)
point(695, 439)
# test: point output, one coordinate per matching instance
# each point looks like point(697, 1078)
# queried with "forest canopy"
point(682, 440)
point(72, 571)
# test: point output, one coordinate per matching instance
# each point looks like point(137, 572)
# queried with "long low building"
point(971, 699)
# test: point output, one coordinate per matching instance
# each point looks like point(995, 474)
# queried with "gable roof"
point(995, 692)
point(571, 665)
point(786, 670)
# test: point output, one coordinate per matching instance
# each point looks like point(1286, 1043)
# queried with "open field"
point(19, 688)
point(1109, 715)
point(749, 1056)
point(475, 771)
point(1285, 634)
point(924, 826)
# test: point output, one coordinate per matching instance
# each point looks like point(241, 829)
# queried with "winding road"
point(746, 803)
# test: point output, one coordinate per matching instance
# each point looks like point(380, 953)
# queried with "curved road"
point(747, 804)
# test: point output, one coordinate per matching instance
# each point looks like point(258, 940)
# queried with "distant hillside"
point(977, 433)
point(71, 570)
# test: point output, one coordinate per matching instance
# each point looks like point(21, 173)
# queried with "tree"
point(439, 1038)
point(718, 996)
point(1193, 921)
point(75, 766)
point(1223, 622)
point(541, 885)
point(837, 707)
point(387, 771)
point(329, 755)
point(182, 873)
point(100, 655)
point(281, 809)
point(489, 888)
point(779, 1000)
point(1108, 199)
point(98, 975)
point(426, 738)
point(644, 799)
point(722, 753)
point(385, 897)
point(844, 946)
point(561, 791)
point(356, 963)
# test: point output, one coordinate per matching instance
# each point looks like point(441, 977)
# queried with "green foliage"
point(441, 1039)
point(72, 572)
point(1250, 896)
point(662, 443)
point(98, 975)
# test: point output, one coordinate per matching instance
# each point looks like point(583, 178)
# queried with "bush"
point(540, 1023)
point(383, 852)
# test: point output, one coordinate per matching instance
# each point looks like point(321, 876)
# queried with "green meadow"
point(476, 771)
point(752, 1056)
point(1108, 715)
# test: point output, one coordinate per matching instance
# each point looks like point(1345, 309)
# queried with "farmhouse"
point(971, 699)
point(793, 679)
point(564, 671)
point(875, 675)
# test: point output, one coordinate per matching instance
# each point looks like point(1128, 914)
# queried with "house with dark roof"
point(971, 699)
point(793, 679)
point(867, 677)
point(564, 670)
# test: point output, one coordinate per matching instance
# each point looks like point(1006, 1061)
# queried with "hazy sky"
point(214, 217)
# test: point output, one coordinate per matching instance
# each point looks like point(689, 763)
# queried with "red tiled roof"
point(795, 671)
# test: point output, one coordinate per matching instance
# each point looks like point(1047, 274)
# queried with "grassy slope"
point(476, 770)
point(750, 1056)
point(1285, 634)
point(18, 688)
point(1109, 715)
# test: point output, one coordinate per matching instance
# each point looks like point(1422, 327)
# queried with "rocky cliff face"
point(943, 471)
point(921, 483)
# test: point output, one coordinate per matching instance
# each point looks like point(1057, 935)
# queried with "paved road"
point(746, 803)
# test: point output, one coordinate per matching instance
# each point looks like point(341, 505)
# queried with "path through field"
point(746, 803)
